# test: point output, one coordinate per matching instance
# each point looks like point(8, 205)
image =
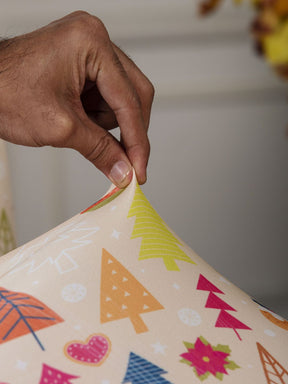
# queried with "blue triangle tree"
point(142, 371)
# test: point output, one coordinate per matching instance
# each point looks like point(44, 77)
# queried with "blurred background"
point(218, 173)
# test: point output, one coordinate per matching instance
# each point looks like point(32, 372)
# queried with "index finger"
point(119, 93)
point(141, 83)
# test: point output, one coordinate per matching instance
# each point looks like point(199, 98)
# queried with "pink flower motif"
point(205, 359)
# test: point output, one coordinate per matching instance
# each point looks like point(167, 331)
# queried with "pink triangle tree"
point(225, 319)
point(52, 375)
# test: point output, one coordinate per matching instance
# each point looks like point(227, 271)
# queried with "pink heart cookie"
point(94, 351)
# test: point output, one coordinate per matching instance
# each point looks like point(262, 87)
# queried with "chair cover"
point(114, 296)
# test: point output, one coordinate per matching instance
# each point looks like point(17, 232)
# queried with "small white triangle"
point(145, 306)
point(110, 261)
point(109, 315)
point(124, 279)
point(114, 287)
point(108, 298)
point(124, 306)
point(127, 294)
point(113, 272)
point(145, 294)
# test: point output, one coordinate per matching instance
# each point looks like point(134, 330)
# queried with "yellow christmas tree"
point(157, 240)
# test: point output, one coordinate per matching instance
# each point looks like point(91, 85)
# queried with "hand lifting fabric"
point(114, 296)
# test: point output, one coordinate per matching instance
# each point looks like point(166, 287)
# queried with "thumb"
point(104, 151)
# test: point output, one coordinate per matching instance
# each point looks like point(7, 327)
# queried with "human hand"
point(67, 85)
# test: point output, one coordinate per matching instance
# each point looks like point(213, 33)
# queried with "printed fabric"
point(113, 296)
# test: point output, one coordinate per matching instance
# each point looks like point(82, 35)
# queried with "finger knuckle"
point(147, 147)
point(79, 13)
point(100, 149)
point(148, 90)
point(97, 23)
point(134, 101)
point(84, 25)
point(65, 128)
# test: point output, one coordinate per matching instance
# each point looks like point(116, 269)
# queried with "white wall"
point(218, 169)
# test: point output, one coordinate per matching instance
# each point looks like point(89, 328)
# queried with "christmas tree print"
point(224, 320)
point(30, 258)
point(142, 371)
point(274, 372)
point(207, 359)
point(52, 375)
point(215, 302)
point(105, 200)
point(7, 240)
point(122, 296)
point(206, 285)
point(21, 314)
point(157, 240)
point(272, 316)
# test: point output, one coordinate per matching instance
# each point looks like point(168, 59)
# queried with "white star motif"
point(77, 327)
point(176, 286)
point(115, 234)
point(105, 382)
point(21, 365)
point(113, 208)
point(159, 348)
point(35, 282)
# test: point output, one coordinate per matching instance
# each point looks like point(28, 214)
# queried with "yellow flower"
point(276, 45)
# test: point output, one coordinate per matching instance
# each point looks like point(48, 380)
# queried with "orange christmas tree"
point(157, 240)
point(275, 373)
point(122, 296)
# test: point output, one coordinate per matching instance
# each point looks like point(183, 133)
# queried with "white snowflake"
point(268, 332)
point(73, 293)
point(189, 317)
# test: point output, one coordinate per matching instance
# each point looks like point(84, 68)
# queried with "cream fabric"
point(7, 236)
point(114, 296)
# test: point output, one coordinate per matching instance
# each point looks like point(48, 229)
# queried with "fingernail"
point(121, 174)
